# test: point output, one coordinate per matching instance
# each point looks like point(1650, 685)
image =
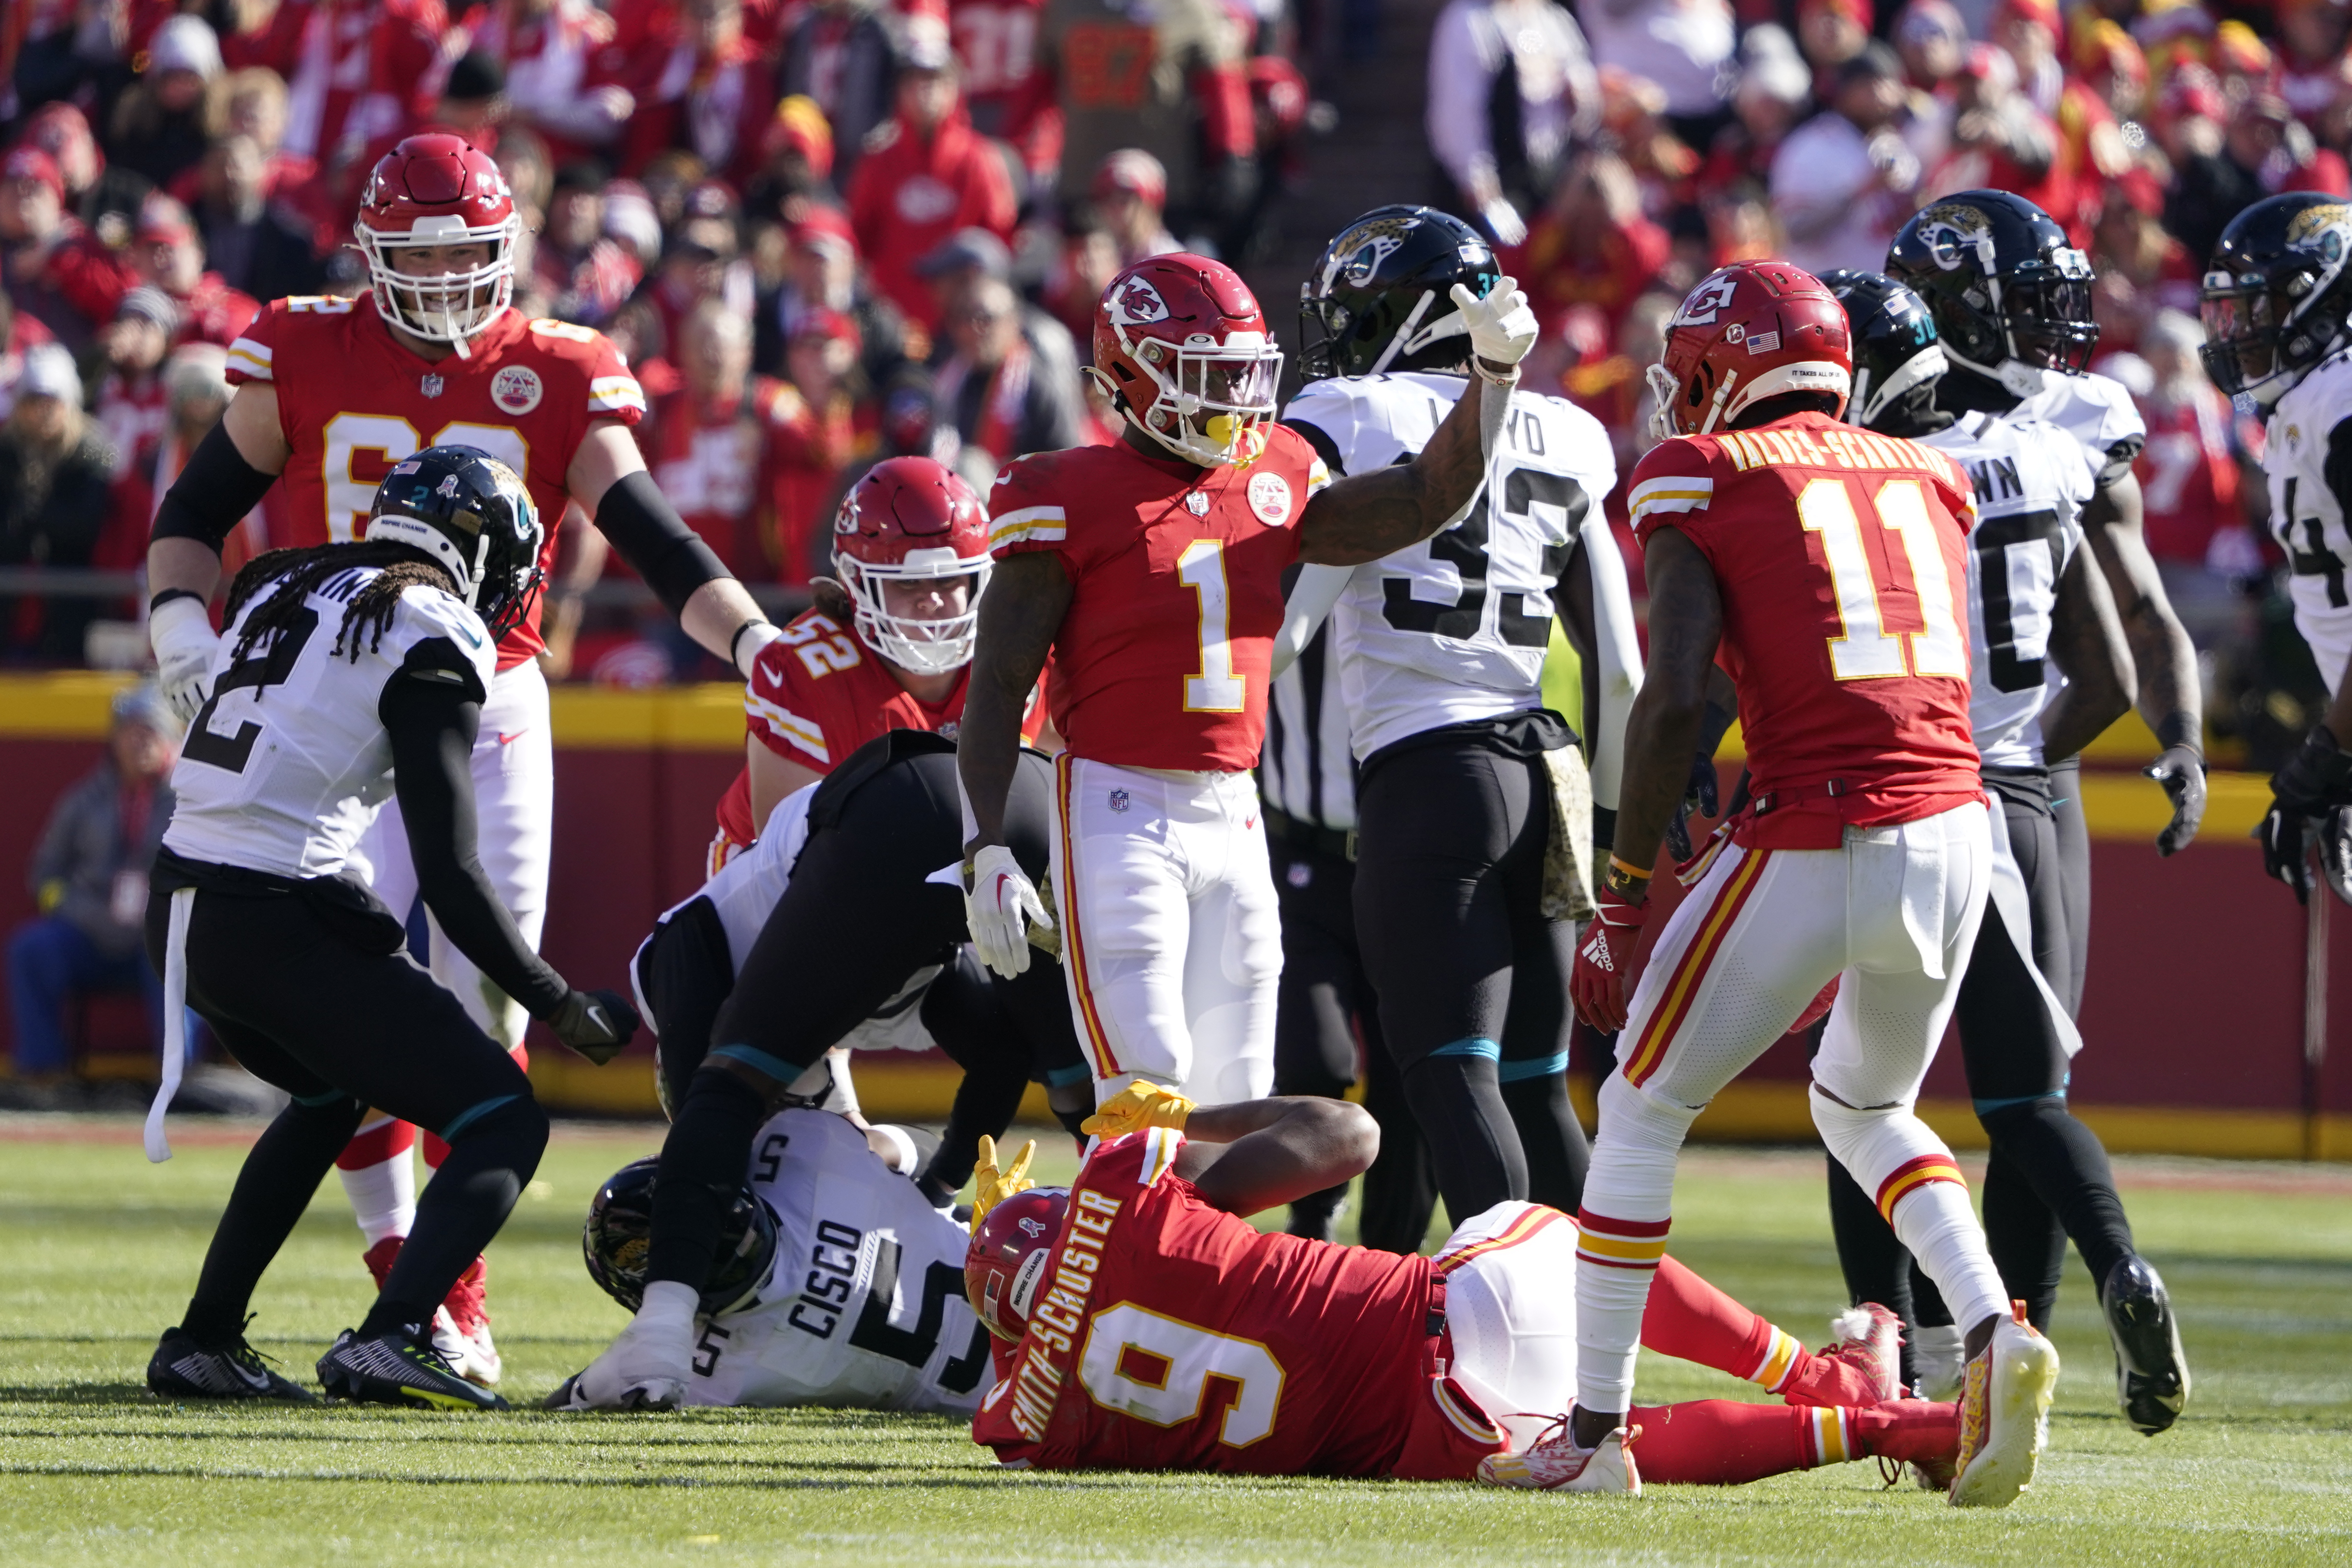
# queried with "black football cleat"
point(184, 1367)
point(398, 1369)
point(2151, 1373)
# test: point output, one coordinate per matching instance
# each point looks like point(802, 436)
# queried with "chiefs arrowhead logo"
point(1137, 303)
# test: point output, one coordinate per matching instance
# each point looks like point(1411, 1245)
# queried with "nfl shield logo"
point(430, 386)
point(1118, 800)
point(1197, 503)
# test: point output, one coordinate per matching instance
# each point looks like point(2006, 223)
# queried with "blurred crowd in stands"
point(828, 231)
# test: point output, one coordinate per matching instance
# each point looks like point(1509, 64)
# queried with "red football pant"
point(1720, 1442)
point(1690, 1319)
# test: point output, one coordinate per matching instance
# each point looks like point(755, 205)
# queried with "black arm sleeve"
point(212, 494)
point(2337, 468)
point(655, 541)
point(431, 710)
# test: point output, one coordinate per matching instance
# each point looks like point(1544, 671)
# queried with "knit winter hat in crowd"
point(150, 303)
point(185, 43)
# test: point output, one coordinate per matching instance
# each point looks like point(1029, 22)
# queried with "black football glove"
point(2181, 770)
point(1700, 797)
point(2316, 782)
point(596, 1024)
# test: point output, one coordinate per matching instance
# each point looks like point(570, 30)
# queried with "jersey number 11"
point(1865, 649)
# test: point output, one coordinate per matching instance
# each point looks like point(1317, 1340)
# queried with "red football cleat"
point(1863, 1367)
point(465, 1342)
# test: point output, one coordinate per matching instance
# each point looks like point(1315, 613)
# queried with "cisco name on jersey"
point(865, 1306)
point(287, 764)
point(2031, 482)
point(1454, 629)
point(2308, 463)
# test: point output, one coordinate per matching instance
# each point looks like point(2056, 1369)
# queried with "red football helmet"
point(1006, 1261)
point(1751, 331)
point(1187, 331)
point(912, 521)
point(439, 190)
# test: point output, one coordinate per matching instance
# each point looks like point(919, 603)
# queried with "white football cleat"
point(461, 1328)
point(1555, 1464)
point(645, 1368)
point(2005, 1414)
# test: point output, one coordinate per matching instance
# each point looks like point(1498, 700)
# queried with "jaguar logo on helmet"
point(2322, 232)
point(1364, 249)
point(1946, 229)
point(1139, 304)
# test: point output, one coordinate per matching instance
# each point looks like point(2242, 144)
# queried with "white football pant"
point(1170, 941)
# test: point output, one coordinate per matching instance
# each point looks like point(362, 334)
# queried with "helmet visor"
point(2050, 316)
point(438, 302)
point(2241, 348)
point(921, 616)
point(1228, 382)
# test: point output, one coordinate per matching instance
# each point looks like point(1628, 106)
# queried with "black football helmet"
point(2010, 295)
point(474, 515)
point(2276, 293)
point(1382, 296)
point(1897, 359)
point(619, 1233)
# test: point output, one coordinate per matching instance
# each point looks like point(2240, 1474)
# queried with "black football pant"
point(858, 919)
point(339, 1030)
point(2047, 1178)
point(1326, 1004)
point(1472, 978)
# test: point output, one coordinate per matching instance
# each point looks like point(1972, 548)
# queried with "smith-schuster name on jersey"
point(864, 1307)
point(352, 401)
point(286, 766)
point(2307, 462)
point(1176, 593)
point(2031, 480)
point(1839, 556)
point(1166, 1334)
point(1454, 629)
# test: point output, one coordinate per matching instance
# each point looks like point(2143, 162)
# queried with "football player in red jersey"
point(1822, 567)
point(1151, 571)
point(910, 543)
point(330, 394)
point(1143, 1324)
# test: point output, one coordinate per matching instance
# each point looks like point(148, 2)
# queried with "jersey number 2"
point(231, 753)
point(1865, 649)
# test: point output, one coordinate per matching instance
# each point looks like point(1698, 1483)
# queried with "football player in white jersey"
point(2035, 598)
point(2276, 302)
point(352, 674)
point(2012, 299)
point(1473, 805)
point(838, 927)
point(835, 1281)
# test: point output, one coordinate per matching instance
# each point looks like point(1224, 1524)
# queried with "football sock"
point(702, 1165)
point(1918, 1431)
point(1460, 1106)
point(2066, 1167)
point(1725, 1442)
point(1913, 1182)
point(1550, 1138)
point(2027, 1243)
point(379, 1173)
point(464, 1205)
point(1628, 1205)
point(1690, 1319)
point(283, 1170)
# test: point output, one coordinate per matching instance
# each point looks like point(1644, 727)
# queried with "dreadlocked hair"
point(290, 575)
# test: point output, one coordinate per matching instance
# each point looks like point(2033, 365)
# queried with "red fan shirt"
point(1169, 1335)
point(352, 401)
point(1161, 660)
point(1839, 554)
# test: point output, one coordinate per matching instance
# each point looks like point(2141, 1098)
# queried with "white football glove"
point(184, 642)
point(1502, 326)
point(999, 906)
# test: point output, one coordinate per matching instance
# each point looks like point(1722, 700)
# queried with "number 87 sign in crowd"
point(1064, 780)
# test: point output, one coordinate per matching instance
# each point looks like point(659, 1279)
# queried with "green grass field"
point(101, 1250)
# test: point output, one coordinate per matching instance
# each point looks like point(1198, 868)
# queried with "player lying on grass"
point(835, 1281)
point(350, 675)
point(847, 937)
point(1142, 1323)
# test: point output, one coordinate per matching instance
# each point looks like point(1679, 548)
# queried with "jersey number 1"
point(1217, 690)
point(1865, 649)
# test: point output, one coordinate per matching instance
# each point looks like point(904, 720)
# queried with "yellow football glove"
point(1140, 1105)
point(993, 1186)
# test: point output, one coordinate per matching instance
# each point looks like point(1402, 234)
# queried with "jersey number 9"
point(1157, 1369)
